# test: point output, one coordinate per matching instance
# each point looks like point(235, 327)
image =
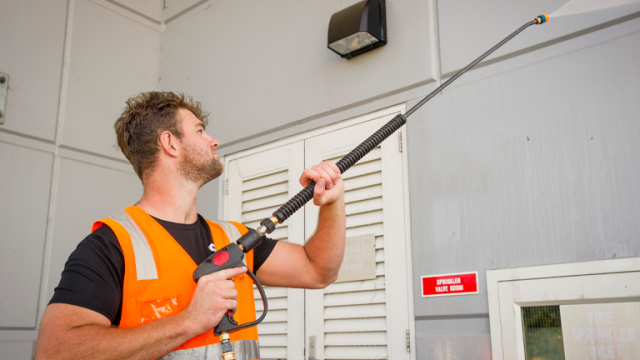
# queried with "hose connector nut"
point(227, 348)
point(541, 19)
point(270, 224)
point(229, 356)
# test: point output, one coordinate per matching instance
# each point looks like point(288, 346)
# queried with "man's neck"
point(170, 199)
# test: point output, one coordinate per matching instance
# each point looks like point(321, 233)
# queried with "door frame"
point(399, 108)
point(586, 282)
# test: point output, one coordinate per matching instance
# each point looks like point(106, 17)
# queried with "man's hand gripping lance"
point(231, 256)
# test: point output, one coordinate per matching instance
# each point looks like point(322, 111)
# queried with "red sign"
point(450, 284)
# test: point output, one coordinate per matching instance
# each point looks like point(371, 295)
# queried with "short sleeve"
point(262, 252)
point(93, 275)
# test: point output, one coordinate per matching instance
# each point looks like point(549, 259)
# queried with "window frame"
point(587, 282)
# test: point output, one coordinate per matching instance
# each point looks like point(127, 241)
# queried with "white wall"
point(539, 166)
point(71, 64)
point(503, 169)
point(262, 65)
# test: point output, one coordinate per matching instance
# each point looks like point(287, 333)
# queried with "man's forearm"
point(325, 248)
point(314, 265)
point(73, 332)
point(96, 341)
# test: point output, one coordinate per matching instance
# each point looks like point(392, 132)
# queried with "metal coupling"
point(269, 225)
point(227, 348)
point(229, 356)
point(541, 19)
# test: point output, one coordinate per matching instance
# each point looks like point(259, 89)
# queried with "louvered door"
point(352, 320)
point(256, 186)
point(363, 319)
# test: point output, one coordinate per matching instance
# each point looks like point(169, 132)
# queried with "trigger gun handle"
point(229, 257)
point(228, 323)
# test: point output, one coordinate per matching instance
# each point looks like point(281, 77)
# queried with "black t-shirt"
point(94, 273)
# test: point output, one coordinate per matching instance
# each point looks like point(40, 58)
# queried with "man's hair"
point(146, 116)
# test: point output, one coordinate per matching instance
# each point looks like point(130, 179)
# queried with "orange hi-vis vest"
point(158, 282)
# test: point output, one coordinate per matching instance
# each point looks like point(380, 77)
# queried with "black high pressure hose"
point(306, 194)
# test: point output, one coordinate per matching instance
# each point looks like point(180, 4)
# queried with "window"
point(593, 297)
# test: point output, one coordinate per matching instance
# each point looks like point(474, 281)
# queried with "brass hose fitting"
point(227, 348)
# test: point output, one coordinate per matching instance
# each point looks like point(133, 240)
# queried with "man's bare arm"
point(72, 332)
point(316, 264)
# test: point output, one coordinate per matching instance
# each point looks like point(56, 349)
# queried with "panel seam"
point(55, 172)
point(185, 11)
point(135, 12)
point(436, 69)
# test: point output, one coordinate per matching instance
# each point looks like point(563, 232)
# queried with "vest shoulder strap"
point(145, 263)
point(232, 232)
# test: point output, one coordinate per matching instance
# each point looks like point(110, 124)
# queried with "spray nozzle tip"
point(541, 19)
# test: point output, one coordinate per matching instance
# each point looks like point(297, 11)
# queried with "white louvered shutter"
point(256, 186)
point(363, 319)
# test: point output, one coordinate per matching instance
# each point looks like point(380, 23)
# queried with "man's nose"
point(214, 143)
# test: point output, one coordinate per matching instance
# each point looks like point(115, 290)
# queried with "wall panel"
point(112, 59)
point(468, 28)
point(266, 64)
point(87, 192)
point(31, 49)
point(24, 195)
point(16, 350)
point(463, 338)
point(530, 161)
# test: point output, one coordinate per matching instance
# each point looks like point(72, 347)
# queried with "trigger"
point(230, 318)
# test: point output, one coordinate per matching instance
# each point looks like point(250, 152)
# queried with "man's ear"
point(170, 144)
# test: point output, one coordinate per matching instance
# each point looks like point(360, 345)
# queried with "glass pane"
point(542, 333)
point(601, 331)
point(353, 42)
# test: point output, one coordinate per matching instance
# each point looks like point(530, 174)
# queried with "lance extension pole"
point(232, 254)
point(306, 194)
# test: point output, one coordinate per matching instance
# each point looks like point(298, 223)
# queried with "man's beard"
point(199, 167)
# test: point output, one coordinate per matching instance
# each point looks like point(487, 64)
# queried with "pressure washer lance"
point(231, 256)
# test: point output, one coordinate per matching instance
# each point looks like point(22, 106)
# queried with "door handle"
point(312, 347)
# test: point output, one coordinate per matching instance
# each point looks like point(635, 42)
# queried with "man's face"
point(199, 163)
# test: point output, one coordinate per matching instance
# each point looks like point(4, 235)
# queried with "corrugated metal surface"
point(261, 196)
point(355, 324)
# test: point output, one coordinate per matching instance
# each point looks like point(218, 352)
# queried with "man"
point(110, 302)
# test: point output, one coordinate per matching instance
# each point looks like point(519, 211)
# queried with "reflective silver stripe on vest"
point(232, 233)
point(244, 349)
point(143, 256)
point(231, 230)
